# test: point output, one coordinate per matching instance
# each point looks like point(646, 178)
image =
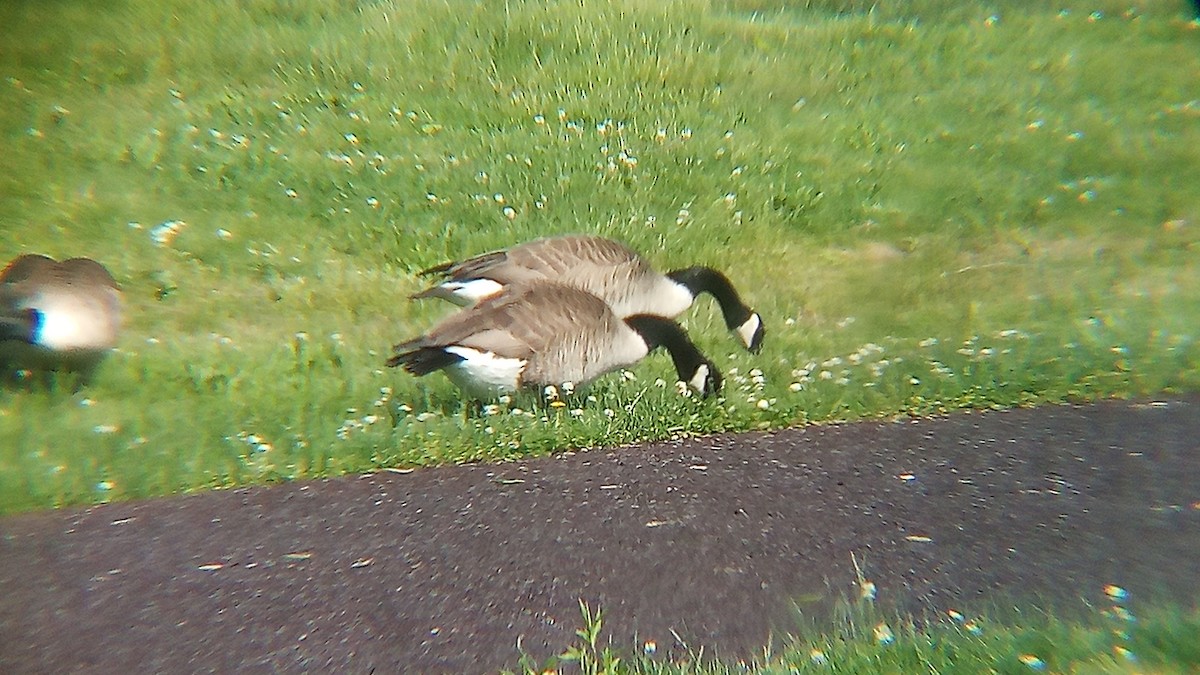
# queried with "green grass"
point(865, 639)
point(935, 205)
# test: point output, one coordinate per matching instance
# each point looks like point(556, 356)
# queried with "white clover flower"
point(164, 233)
point(1116, 592)
point(1032, 661)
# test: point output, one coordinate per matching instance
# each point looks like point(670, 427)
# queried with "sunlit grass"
point(863, 638)
point(935, 205)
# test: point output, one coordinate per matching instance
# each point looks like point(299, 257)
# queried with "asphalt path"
point(711, 543)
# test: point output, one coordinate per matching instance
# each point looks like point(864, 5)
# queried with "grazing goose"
point(606, 268)
point(540, 333)
point(57, 315)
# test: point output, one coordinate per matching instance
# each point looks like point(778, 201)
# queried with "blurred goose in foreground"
point(606, 268)
point(57, 315)
point(545, 333)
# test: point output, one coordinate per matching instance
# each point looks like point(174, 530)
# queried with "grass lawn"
point(865, 639)
point(935, 204)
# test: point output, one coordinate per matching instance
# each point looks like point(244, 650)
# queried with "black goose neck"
point(707, 280)
point(657, 332)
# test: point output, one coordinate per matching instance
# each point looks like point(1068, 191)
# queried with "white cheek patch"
point(470, 292)
point(484, 372)
point(62, 331)
point(700, 379)
point(747, 330)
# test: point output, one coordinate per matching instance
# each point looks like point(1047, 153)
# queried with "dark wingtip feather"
point(436, 269)
point(424, 360)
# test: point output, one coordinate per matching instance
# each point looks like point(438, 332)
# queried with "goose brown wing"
point(87, 272)
point(28, 266)
point(470, 268)
point(549, 258)
point(524, 320)
point(560, 256)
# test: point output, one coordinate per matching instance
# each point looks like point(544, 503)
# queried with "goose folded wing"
point(27, 266)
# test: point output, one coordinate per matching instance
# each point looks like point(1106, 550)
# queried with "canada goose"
point(606, 268)
point(545, 333)
point(57, 315)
